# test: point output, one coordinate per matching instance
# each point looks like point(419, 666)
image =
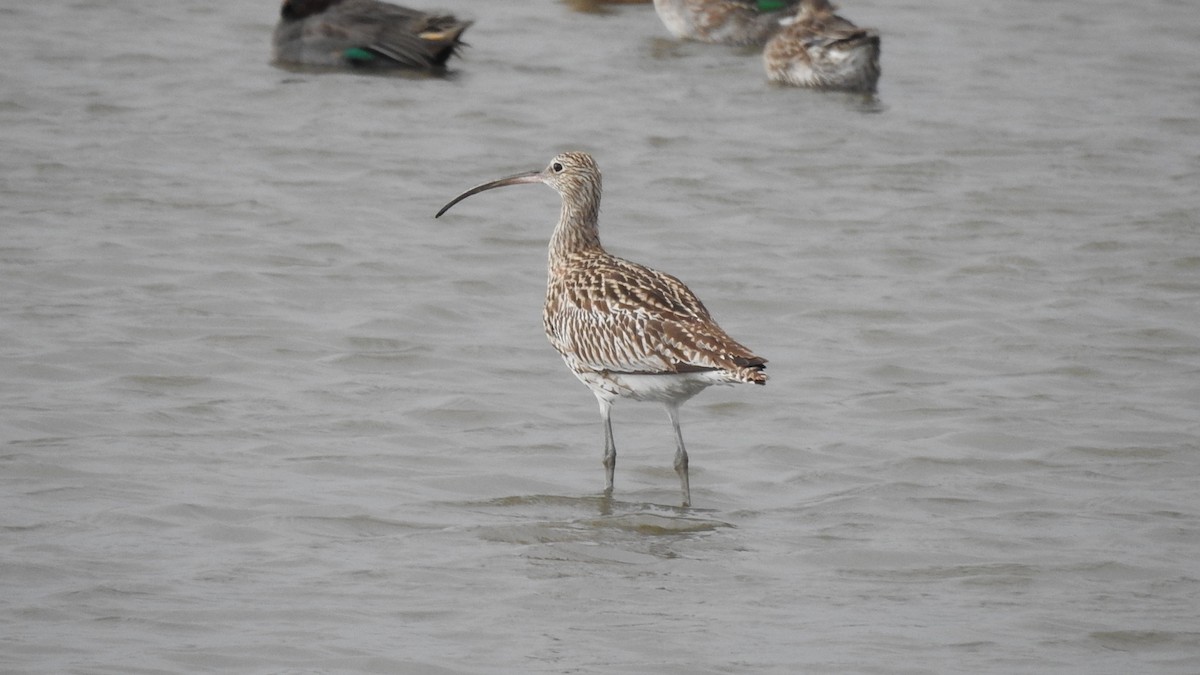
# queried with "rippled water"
point(262, 414)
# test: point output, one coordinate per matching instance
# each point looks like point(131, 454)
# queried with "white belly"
point(677, 387)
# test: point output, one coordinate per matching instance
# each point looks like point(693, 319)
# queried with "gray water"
point(262, 414)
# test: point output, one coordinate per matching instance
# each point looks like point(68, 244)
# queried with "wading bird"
point(625, 330)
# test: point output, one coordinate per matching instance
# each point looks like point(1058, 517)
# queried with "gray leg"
point(681, 458)
point(610, 448)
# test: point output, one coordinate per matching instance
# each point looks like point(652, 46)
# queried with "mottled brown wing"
point(789, 46)
point(611, 314)
point(830, 28)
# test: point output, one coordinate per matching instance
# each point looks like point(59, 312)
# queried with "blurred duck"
point(729, 22)
point(368, 33)
point(600, 6)
point(819, 49)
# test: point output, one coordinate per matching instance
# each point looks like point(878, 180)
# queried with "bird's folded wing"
point(390, 31)
point(629, 318)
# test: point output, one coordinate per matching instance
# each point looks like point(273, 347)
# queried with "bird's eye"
point(557, 167)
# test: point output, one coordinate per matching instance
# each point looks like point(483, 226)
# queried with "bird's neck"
point(578, 230)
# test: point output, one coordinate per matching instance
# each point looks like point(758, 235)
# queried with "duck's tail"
point(443, 38)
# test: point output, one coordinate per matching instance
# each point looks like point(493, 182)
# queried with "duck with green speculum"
point(728, 22)
point(821, 50)
point(364, 33)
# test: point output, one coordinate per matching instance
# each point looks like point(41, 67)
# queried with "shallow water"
point(262, 414)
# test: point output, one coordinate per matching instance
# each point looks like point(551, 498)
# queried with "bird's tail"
point(751, 370)
point(443, 39)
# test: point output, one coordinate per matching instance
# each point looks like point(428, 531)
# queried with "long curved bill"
point(527, 177)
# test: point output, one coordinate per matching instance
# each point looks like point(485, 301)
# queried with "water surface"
point(262, 414)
